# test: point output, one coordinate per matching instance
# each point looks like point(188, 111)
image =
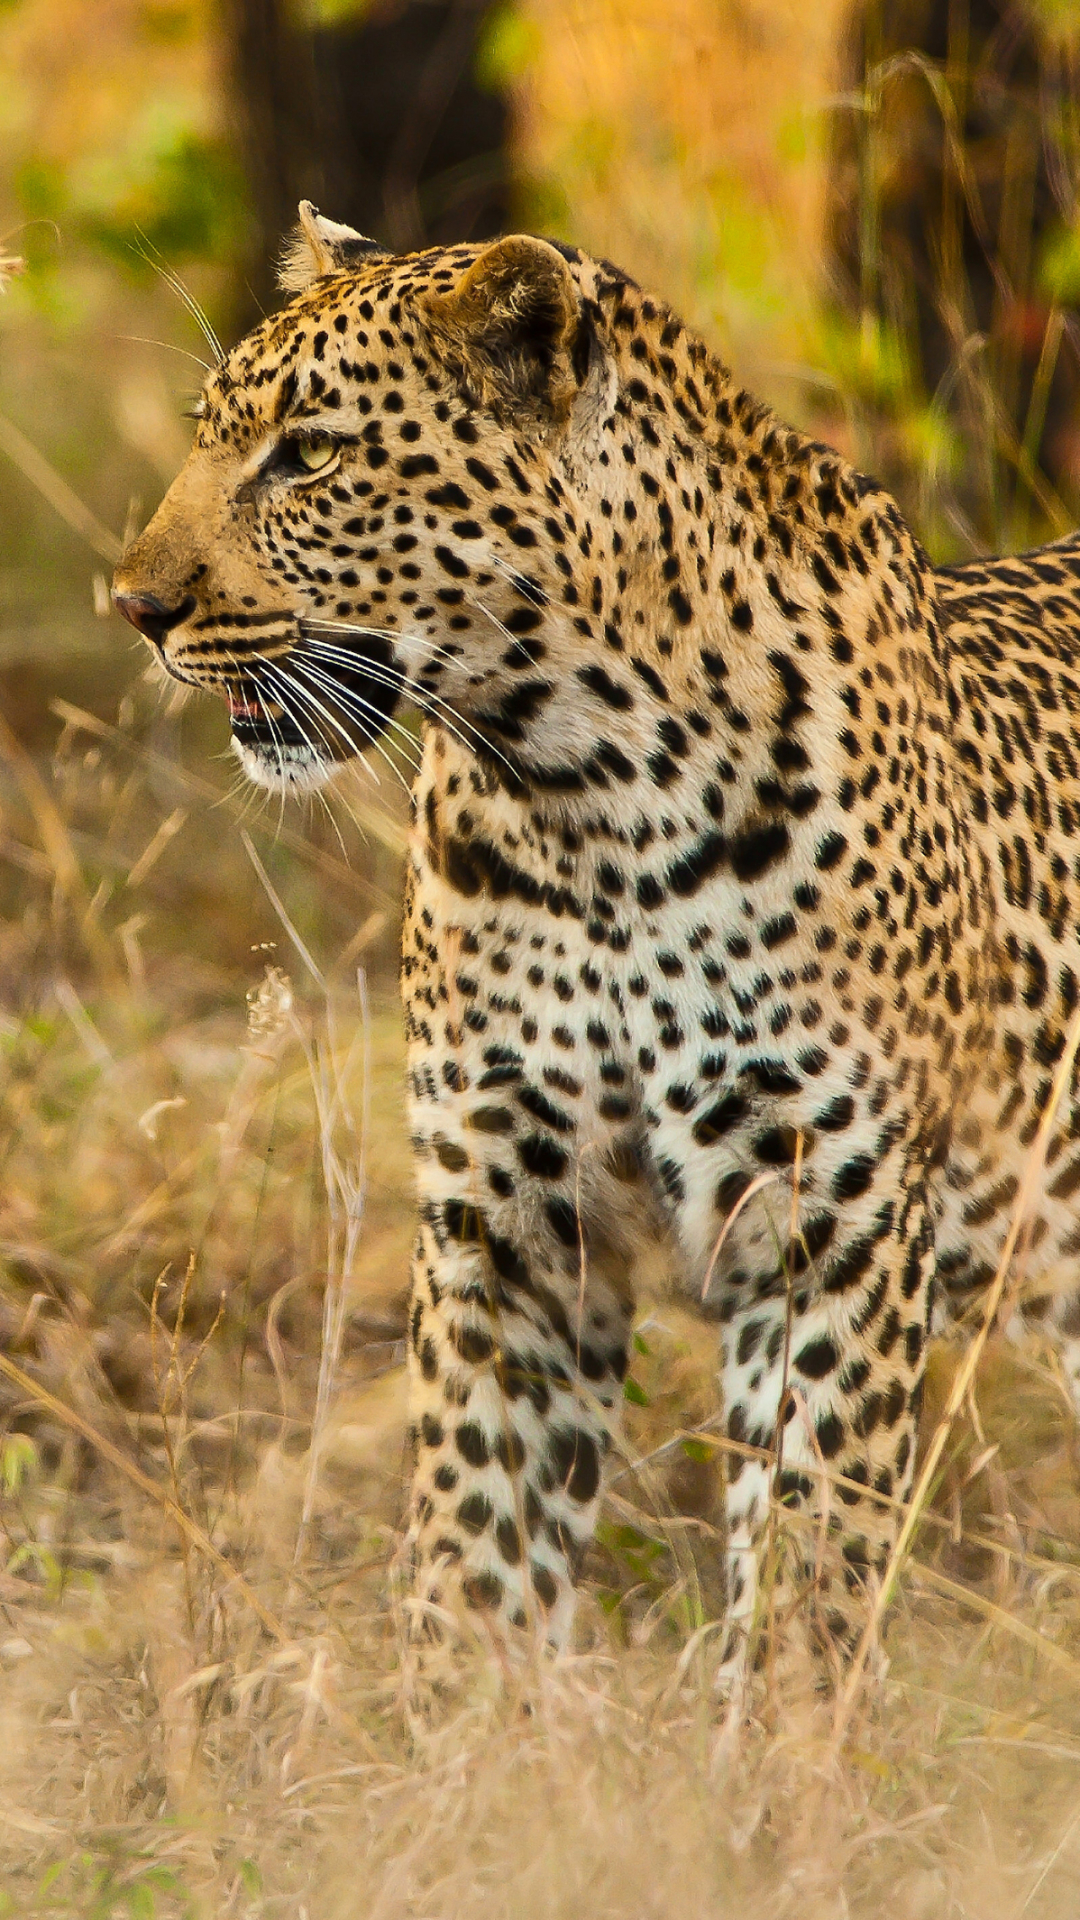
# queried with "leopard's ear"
point(319, 246)
point(517, 326)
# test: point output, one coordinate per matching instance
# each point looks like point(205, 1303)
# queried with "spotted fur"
point(744, 873)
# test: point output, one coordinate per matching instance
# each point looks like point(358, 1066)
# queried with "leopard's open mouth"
point(243, 706)
point(258, 722)
point(295, 718)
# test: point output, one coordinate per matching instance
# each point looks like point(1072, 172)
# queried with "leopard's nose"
point(150, 615)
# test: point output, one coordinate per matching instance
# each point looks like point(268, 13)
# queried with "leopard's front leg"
point(519, 1321)
point(515, 1381)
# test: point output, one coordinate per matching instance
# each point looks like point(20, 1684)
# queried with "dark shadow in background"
point(379, 121)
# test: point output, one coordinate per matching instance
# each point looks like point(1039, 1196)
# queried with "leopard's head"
point(380, 507)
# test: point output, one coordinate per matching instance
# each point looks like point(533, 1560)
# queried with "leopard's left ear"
point(319, 246)
point(517, 326)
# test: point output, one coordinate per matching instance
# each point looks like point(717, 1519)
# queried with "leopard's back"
point(1014, 629)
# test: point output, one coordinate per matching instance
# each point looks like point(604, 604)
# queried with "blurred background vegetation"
point(872, 208)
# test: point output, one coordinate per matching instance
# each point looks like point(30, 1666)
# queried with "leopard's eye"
point(316, 452)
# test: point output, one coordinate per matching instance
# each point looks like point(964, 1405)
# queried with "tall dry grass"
point(201, 1469)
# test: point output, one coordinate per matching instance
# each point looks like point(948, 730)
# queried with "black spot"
point(508, 1540)
point(817, 1358)
point(451, 1156)
point(463, 1222)
point(544, 1585)
point(685, 876)
point(565, 1222)
point(849, 1267)
point(541, 1155)
point(544, 1110)
point(830, 850)
point(510, 1451)
point(452, 563)
point(720, 1119)
point(853, 1177)
point(473, 1343)
point(756, 849)
point(576, 1461)
point(471, 1444)
point(777, 1146)
point(483, 1591)
point(606, 689)
point(830, 1435)
point(475, 1512)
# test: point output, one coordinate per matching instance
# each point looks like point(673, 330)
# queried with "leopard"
point(742, 892)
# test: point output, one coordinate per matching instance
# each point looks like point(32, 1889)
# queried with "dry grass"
point(226, 1735)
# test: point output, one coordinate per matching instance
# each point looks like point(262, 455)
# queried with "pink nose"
point(152, 618)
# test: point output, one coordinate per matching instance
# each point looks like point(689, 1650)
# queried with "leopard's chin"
point(274, 751)
point(284, 767)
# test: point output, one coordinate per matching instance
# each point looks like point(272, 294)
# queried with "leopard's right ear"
point(517, 326)
point(319, 246)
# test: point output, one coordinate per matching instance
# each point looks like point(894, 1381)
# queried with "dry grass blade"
point(998, 1617)
point(59, 850)
point(279, 908)
point(190, 1529)
point(54, 488)
point(344, 1177)
point(961, 1387)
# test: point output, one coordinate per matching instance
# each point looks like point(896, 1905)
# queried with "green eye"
point(316, 452)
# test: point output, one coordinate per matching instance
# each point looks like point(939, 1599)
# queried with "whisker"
point(320, 796)
point(530, 589)
point(510, 638)
point(336, 794)
point(169, 346)
point(424, 697)
point(395, 634)
point(173, 281)
point(276, 675)
point(278, 740)
point(428, 703)
point(351, 701)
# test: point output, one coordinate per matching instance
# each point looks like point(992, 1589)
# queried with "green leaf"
point(702, 1450)
point(18, 1461)
point(626, 1539)
point(508, 47)
point(636, 1395)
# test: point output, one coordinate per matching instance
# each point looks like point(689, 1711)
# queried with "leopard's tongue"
point(241, 708)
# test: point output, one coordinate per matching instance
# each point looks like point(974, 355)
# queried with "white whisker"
point(283, 680)
point(188, 300)
point(393, 634)
point(352, 701)
point(424, 697)
point(529, 589)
